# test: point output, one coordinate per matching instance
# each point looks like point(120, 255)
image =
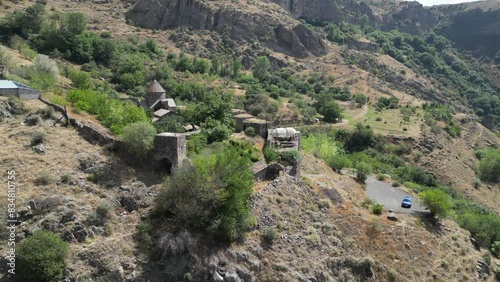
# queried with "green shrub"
point(270, 155)
point(17, 105)
point(196, 143)
point(47, 112)
point(321, 145)
point(109, 230)
point(484, 227)
point(490, 166)
point(104, 209)
point(45, 178)
point(437, 201)
point(338, 163)
point(413, 186)
point(290, 156)
point(367, 203)
point(269, 234)
point(66, 178)
point(212, 195)
point(33, 120)
point(38, 137)
point(215, 131)
point(139, 138)
point(396, 184)
point(250, 131)
point(497, 273)
point(377, 209)
point(80, 80)
point(324, 203)
point(43, 64)
point(113, 113)
point(5, 58)
point(495, 249)
point(476, 183)
point(362, 171)
point(381, 177)
point(41, 257)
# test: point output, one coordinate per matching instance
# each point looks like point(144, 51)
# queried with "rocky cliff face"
point(409, 17)
point(287, 36)
point(327, 10)
point(475, 30)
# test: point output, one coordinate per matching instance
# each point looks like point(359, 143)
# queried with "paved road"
point(391, 197)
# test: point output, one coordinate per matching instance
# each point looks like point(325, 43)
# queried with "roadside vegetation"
point(364, 152)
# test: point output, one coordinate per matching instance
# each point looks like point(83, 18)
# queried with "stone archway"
point(164, 166)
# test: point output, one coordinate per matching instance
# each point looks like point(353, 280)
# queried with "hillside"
point(307, 227)
point(389, 90)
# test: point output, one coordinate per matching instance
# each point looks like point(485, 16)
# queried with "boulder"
point(39, 149)
point(81, 232)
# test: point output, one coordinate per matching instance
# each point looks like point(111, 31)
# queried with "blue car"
point(406, 202)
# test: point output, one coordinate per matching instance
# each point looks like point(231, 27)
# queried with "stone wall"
point(169, 147)
point(259, 126)
point(8, 92)
point(25, 94)
point(88, 132)
point(29, 94)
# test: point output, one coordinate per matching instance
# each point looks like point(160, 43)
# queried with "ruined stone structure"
point(283, 138)
point(262, 171)
point(14, 89)
point(244, 120)
point(170, 149)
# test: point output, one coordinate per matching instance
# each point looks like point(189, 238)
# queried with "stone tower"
point(170, 148)
point(154, 93)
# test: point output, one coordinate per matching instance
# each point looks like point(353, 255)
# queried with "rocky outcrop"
point(283, 35)
point(410, 17)
point(327, 10)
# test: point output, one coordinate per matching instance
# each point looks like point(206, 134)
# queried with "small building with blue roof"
point(15, 89)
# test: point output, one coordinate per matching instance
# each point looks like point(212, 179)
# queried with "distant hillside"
point(472, 27)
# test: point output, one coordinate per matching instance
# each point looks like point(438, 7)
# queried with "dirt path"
point(361, 114)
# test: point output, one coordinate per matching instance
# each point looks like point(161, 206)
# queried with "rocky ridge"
point(283, 33)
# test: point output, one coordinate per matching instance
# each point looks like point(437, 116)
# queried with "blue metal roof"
point(9, 84)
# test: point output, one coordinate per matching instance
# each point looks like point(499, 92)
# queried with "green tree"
point(139, 138)
point(201, 66)
point(360, 98)
point(261, 68)
point(215, 131)
point(362, 138)
point(495, 249)
point(362, 171)
point(80, 80)
point(214, 106)
point(490, 166)
point(331, 111)
point(212, 195)
point(41, 257)
point(437, 201)
point(270, 155)
point(339, 162)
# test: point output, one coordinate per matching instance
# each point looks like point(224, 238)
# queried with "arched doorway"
point(164, 166)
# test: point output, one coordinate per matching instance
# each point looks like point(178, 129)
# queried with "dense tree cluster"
point(211, 196)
